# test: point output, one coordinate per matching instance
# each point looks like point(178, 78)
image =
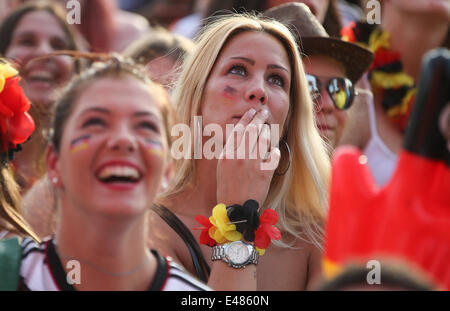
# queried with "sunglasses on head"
point(341, 90)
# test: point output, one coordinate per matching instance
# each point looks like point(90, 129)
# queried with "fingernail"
point(252, 112)
point(264, 113)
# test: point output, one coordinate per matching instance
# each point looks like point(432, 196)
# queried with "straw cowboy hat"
point(314, 40)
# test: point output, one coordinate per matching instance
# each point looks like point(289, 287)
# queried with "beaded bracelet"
point(228, 224)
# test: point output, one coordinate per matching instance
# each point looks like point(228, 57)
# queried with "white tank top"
point(381, 160)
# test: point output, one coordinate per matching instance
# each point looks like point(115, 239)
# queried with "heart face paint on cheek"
point(155, 147)
point(229, 92)
point(80, 143)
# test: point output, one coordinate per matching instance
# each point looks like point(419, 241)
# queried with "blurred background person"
point(104, 26)
point(31, 31)
point(407, 31)
point(332, 68)
point(350, 10)
point(107, 28)
point(189, 25)
point(326, 12)
point(6, 6)
point(166, 12)
point(162, 53)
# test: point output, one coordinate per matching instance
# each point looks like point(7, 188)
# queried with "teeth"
point(40, 75)
point(119, 171)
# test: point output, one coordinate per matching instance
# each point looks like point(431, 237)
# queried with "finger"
point(250, 136)
point(263, 145)
point(246, 119)
point(235, 135)
point(259, 119)
point(248, 142)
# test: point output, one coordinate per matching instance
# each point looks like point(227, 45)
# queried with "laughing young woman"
point(107, 158)
point(247, 71)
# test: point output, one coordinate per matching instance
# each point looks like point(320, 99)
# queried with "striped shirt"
point(42, 270)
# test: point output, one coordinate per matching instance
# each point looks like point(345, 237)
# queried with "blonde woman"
point(246, 71)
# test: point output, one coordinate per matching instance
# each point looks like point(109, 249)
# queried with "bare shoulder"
point(161, 236)
point(164, 239)
point(287, 268)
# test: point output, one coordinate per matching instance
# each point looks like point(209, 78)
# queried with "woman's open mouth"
point(120, 176)
point(41, 78)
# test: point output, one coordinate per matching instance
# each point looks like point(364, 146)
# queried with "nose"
point(324, 103)
point(122, 141)
point(39, 50)
point(256, 92)
point(42, 48)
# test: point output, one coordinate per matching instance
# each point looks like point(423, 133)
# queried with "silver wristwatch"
point(236, 254)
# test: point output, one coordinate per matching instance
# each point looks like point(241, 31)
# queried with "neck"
point(112, 256)
point(413, 35)
point(201, 194)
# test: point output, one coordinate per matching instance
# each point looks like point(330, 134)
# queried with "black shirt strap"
point(202, 268)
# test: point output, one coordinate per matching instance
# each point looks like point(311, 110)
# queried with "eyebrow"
point(30, 33)
point(248, 60)
point(277, 67)
point(24, 33)
point(252, 62)
point(96, 109)
point(144, 114)
point(106, 111)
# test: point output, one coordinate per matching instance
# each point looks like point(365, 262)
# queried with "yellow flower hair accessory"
point(6, 71)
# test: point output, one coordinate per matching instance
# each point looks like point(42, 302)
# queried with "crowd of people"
point(89, 119)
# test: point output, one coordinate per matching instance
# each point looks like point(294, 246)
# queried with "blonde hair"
point(11, 218)
point(301, 202)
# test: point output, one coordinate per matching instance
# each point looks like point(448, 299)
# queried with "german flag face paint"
point(80, 143)
point(229, 92)
point(155, 147)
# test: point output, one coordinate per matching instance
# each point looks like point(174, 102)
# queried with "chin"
point(44, 100)
point(121, 210)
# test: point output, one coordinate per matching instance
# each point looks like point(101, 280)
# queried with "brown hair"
point(11, 218)
point(159, 42)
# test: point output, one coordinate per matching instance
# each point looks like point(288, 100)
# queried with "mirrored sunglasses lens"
point(340, 90)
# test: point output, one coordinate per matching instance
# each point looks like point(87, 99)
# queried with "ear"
point(168, 172)
point(52, 161)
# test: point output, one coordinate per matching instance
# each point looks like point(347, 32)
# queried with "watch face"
point(238, 253)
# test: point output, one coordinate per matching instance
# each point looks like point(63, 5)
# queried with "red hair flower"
point(267, 230)
point(16, 125)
